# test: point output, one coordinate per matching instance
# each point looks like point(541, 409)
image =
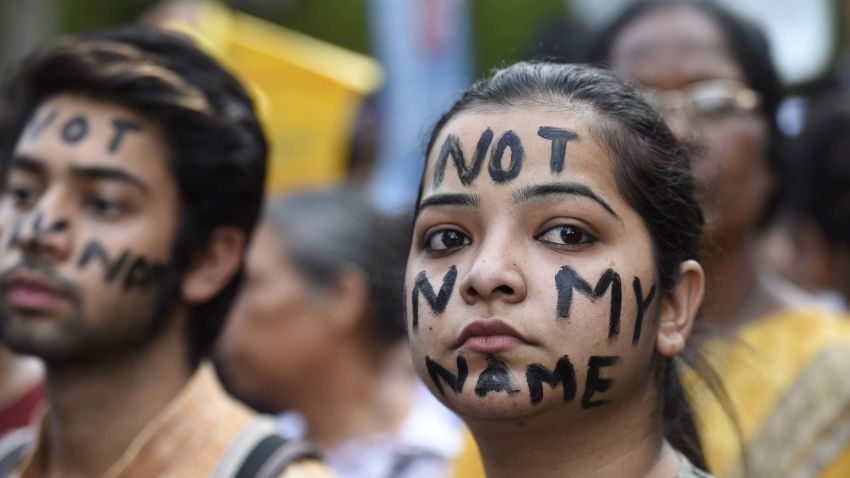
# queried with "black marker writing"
point(438, 373)
point(642, 305)
point(75, 129)
point(39, 230)
point(120, 128)
point(437, 301)
point(494, 378)
point(40, 124)
point(568, 279)
point(143, 275)
point(496, 169)
point(466, 172)
point(595, 383)
point(559, 138)
point(111, 267)
point(536, 375)
point(140, 273)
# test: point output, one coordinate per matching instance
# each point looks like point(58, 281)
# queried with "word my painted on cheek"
point(136, 272)
point(437, 301)
point(76, 129)
point(567, 280)
point(495, 378)
point(39, 230)
point(439, 375)
point(498, 171)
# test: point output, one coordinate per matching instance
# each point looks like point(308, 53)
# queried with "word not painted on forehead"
point(499, 172)
point(567, 280)
point(77, 127)
point(496, 378)
point(136, 271)
point(438, 301)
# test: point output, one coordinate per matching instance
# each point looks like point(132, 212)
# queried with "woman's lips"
point(489, 336)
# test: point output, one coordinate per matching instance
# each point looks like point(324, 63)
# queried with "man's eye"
point(567, 235)
point(446, 240)
point(21, 196)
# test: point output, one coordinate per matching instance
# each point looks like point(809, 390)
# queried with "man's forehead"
point(69, 127)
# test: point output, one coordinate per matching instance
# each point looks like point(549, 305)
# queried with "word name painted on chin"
point(506, 156)
point(495, 378)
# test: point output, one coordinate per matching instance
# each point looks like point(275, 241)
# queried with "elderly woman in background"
point(318, 335)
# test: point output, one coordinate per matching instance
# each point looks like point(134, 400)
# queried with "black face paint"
point(15, 236)
point(559, 138)
point(111, 268)
point(39, 230)
point(38, 125)
point(438, 301)
point(142, 275)
point(568, 279)
point(494, 378)
point(563, 375)
point(594, 382)
point(120, 127)
point(642, 305)
point(497, 173)
point(75, 129)
point(437, 373)
point(466, 173)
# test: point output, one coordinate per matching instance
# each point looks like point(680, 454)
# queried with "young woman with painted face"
point(552, 278)
point(709, 74)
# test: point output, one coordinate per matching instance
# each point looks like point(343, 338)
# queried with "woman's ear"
point(214, 266)
point(679, 309)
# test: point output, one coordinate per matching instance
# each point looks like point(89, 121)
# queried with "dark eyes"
point(567, 236)
point(445, 240)
point(21, 197)
point(103, 208)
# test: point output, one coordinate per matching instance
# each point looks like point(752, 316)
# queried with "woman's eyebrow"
point(466, 200)
point(530, 193)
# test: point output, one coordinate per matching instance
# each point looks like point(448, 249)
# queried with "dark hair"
point(326, 230)
point(820, 186)
point(749, 48)
point(217, 150)
point(652, 173)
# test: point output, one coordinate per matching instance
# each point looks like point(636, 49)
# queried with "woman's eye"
point(571, 236)
point(445, 240)
point(21, 196)
point(103, 207)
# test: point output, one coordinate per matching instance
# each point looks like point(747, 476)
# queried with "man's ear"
point(679, 309)
point(215, 265)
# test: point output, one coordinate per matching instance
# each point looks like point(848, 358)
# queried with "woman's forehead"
point(521, 145)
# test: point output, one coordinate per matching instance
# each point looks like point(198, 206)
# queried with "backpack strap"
point(260, 452)
point(13, 448)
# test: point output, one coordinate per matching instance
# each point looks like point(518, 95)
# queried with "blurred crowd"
point(308, 372)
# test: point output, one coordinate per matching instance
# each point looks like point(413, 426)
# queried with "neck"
point(112, 398)
point(370, 392)
point(18, 375)
point(627, 443)
point(731, 291)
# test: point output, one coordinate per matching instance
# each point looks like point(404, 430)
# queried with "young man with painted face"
point(135, 172)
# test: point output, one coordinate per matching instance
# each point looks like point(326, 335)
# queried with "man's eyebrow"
point(103, 172)
point(465, 200)
point(27, 163)
point(529, 193)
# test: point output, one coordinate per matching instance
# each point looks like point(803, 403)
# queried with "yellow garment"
point(188, 439)
point(788, 378)
point(468, 462)
point(308, 91)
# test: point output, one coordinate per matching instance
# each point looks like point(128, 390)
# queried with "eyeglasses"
point(705, 99)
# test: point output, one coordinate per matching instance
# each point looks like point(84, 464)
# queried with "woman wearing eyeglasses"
point(786, 369)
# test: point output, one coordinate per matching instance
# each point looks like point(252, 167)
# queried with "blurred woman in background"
point(318, 335)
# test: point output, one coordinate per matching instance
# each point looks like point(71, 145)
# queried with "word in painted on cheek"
point(567, 280)
point(498, 171)
point(38, 230)
point(77, 128)
point(135, 272)
point(496, 378)
point(437, 301)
